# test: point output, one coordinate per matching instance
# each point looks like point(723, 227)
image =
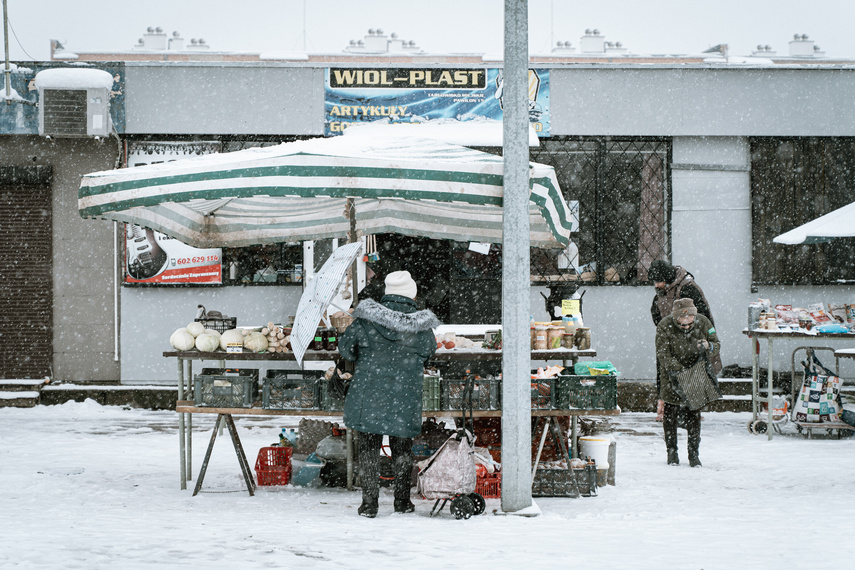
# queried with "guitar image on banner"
point(145, 258)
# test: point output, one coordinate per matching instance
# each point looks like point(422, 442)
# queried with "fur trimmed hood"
point(396, 320)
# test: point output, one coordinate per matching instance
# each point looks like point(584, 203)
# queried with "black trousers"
point(693, 427)
point(369, 465)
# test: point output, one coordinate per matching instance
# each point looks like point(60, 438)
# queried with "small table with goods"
point(186, 408)
point(760, 424)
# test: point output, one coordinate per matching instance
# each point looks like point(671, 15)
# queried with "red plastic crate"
point(489, 486)
point(273, 466)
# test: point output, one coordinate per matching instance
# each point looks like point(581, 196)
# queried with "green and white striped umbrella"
point(298, 191)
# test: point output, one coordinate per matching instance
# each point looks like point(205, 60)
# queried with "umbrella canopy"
point(837, 224)
point(318, 295)
point(297, 191)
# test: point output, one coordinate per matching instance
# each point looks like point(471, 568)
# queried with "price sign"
point(570, 307)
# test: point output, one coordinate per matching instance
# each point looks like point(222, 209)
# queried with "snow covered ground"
point(90, 486)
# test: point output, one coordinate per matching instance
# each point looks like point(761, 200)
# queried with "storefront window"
point(794, 181)
point(621, 191)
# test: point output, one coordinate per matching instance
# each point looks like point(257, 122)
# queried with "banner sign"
point(152, 257)
point(412, 95)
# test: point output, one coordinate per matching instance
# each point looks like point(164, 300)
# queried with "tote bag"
point(697, 385)
point(819, 397)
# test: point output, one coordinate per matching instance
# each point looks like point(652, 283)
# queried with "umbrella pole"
point(351, 238)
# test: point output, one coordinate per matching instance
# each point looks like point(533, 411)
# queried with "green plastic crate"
point(486, 394)
point(226, 387)
point(543, 393)
point(431, 394)
point(585, 392)
point(292, 390)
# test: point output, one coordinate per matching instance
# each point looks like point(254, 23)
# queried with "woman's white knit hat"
point(400, 283)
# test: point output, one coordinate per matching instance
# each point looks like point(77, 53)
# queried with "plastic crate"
point(586, 392)
point(554, 483)
point(486, 394)
point(292, 390)
point(430, 394)
point(273, 466)
point(489, 486)
point(543, 393)
point(219, 325)
point(328, 400)
point(226, 387)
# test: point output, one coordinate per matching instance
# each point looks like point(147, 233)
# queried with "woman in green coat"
point(681, 339)
point(390, 342)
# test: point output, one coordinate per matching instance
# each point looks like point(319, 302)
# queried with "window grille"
point(622, 187)
point(793, 181)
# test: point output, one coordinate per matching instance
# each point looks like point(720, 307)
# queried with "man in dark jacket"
point(390, 342)
point(682, 338)
point(672, 283)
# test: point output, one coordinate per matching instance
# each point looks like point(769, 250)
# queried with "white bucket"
point(597, 448)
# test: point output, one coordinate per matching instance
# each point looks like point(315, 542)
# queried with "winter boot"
point(368, 508)
point(402, 452)
point(693, 426)
point(669, 427)
point(673, 458)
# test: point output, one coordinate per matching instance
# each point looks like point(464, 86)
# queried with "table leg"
point(182, 452)
point(244, 464)
point(207, 456)
point(546, 423)
point(349, 440)
point(188, 376)
point(559, 438)
point(769, 429)
point(755, 376)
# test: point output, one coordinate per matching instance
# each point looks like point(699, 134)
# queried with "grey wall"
point(188, 99)
point(702, 101)
point(151, 315)
point(83, 259)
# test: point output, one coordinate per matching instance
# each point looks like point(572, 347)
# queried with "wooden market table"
point(187, 408)
point(755, 336)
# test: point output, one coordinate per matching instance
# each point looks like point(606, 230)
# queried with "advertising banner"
point(411, 95)
point(151, 257)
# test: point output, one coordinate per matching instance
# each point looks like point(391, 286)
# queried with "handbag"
point(339, 386)
point(697, 385)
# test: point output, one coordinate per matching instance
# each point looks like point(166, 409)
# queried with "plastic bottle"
point(292, 436)
point(283, 439)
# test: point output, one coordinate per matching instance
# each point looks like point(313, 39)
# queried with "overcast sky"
point(437, 26)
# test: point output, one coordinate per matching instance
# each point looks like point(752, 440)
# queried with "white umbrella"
point(837, 224)
point(318, 295)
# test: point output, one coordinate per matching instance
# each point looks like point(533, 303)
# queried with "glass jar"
point(553, 336)
point(540, 338)
point(317, 341)
point(331, 339)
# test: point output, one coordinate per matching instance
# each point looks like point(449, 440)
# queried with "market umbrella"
point(318, 294)
point(298, 191)
point(837, 224)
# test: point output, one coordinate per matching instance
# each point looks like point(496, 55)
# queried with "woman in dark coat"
point(390, 342)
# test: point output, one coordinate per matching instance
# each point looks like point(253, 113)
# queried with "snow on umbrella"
point(837, 224)
point(318, 295)
point(298, 190)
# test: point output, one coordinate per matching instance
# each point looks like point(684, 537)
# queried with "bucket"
point(597, 448)
point(305, 474)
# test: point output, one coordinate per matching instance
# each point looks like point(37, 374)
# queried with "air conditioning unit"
point(74, 102)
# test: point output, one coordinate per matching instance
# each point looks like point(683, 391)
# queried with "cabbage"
point(195, 328)
point(255, 341)
point(207, 342)
point(232, 336)
point(213, 332)
point(182, 340)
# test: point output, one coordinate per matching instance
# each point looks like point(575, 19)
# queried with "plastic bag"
point(332, 448)
point(595, 368)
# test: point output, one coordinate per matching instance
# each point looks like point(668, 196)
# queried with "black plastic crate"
point(586, 392)
point(555, 483)
point(292, 390)
point(219, 325)
point(486, 394)
point(226, 387)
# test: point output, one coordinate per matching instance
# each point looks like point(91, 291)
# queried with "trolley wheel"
point(462, 507)
point(751, 426)
point(479, 502)
point(760, 427)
